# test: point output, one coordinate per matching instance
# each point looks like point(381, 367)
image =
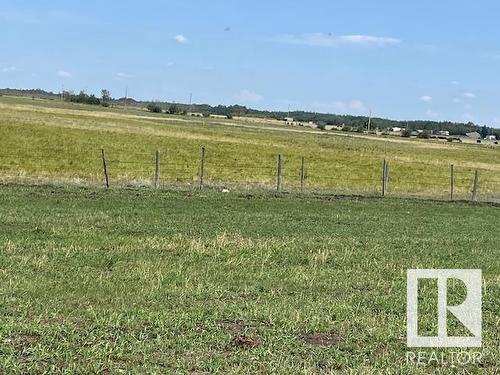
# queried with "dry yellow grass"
point(44, 140)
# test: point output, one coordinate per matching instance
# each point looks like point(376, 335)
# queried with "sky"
point(436, 60)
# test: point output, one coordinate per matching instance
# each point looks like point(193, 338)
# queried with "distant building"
point(491, 138)
point(473, 135)
point(195, 114)
point(218, 116)
point(443, 132)
point(290, 121)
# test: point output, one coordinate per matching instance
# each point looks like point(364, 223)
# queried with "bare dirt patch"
point(246, 342)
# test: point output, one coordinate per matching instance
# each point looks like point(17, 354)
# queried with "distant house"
point(218, 116)
point(195, 114)
point(396, 129)
point(491, 138)
point(443, 132)
point(290, 121)
point(473, 135)
point(337, 127)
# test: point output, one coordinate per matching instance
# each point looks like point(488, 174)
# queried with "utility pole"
point(369, 120)
point(126, 92)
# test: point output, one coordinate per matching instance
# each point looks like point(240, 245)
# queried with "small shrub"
point(154, 108)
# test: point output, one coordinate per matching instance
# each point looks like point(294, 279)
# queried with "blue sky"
point(405, 60)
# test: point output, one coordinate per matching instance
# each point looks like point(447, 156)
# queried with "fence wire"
point(427, 180)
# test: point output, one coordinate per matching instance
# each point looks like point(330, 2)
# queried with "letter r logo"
point(468, 313)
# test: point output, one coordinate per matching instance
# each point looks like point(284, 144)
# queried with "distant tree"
point(173, 109)
point(154, 108)
point(82, 97)
point(105, 98)
point(92, 99)
point(484, 132)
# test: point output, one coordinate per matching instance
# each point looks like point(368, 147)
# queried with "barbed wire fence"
point(284, 174)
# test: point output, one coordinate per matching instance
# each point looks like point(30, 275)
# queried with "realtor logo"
point(468, 312)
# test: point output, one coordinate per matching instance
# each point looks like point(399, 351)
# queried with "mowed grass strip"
point(54, 141)
point(195, 282)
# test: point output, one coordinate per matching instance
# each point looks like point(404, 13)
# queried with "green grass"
point(142, 282)
point(54, 141)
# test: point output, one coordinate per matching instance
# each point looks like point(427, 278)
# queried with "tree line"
point(351, 122)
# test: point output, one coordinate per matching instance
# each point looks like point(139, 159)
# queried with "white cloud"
point(457, 100)
point(470, 95)
point(170, 64)
point(455, 83)
point(249, 96)
point(181, 39)
point(9, 69)
point(426, 98)
point(467, 107)
point(330, 40)
point(64, 74)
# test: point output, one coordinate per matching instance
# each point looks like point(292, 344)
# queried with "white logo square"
point(468, 312)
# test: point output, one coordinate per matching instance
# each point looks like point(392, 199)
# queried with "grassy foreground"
point(140, 281)
point(54, 141)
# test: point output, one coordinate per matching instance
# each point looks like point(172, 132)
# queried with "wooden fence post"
point(475, 185)
point(279, 174)
point(386, 177)
point(383, 177)
point(302, 174)
point(105, 168)
point(156, 181)
point(452, 181)
point(202, 166)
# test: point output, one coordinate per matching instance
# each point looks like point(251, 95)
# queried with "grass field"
point(139, 281)
point(52, 141)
